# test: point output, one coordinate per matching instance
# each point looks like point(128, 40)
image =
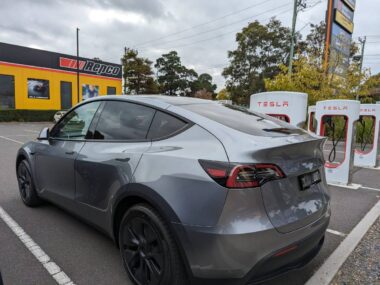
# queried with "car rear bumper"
point(217, 257)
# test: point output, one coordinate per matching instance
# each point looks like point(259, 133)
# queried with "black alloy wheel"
point(143, 251)
point(149, 254)
point(26, 185)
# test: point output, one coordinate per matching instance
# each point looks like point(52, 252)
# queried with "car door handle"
point(123, 159)
point(70, 152)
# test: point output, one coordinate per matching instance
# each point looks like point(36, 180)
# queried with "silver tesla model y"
point(190, 190)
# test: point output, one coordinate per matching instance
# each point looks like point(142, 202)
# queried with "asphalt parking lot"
point(89, 257)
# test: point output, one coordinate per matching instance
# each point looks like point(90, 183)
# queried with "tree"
point(204, 82)
point(314, 44)
point(223, 95)
point(306, 77)
point(173, 77)
point(261, 49)
point(204, 94)
point(309, 77)
point(369, 88)
point(137, 73)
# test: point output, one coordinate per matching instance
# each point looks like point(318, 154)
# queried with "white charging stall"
point(341, 144)
point(311, 122)
point(284, 105)
point(366, 154)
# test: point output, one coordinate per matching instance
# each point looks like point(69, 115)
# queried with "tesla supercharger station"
point(286, 106)
point(311, 122)
point(367, 149)
point(336, 119)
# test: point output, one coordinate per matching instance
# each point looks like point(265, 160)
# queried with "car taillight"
point(232, 175)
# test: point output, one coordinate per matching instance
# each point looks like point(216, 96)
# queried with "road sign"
point(340, 26)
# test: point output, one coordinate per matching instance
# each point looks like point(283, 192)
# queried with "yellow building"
point(42, 80)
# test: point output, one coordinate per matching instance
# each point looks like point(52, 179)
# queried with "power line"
point(313, 5)
point(208, 39)
point(221, 27)
point(204, 23)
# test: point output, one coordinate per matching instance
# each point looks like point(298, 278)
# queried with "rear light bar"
point(232, 175)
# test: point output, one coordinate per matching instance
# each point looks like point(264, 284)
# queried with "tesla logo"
point(89, 66)
point(335, 108)
point(367, 110)
point(273, 104)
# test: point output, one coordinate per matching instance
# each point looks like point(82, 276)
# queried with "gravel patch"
point(363, 264)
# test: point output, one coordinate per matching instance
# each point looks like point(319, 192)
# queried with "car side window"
point(123, 121)
point(76, 123)
point(165, 125)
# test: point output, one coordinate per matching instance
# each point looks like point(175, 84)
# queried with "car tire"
point(26, 185)
point(149, 253)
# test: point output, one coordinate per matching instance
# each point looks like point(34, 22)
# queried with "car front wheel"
point(150, 255)
point(26, 185)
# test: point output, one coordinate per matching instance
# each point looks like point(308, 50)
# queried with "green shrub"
point(365, 131)
point(27, 115)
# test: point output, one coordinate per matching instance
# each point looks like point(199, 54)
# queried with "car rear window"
point(243, 120)
point(165, 125)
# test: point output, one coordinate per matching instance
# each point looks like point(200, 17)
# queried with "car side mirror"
point(44, 134)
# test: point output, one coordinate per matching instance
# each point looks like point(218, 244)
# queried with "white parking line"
point(31, 131)
point(336, 233)
point(370, 188)
point(12, 140)
point(330, 267)
point(51, 267)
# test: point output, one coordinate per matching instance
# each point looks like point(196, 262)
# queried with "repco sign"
point(90, 66)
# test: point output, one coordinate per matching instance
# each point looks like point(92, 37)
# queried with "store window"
point(89, 91)
point(111, 90)
point(66, 95)
point(7, 92)
point(38, 88)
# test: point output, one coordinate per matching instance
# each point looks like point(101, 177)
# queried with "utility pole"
point(125, 81)
point(77, 65)
point(362, 41)
point(329, 19)
point(298, 6)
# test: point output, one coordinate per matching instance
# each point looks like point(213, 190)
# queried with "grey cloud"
point(147, 7)
point(50, 24)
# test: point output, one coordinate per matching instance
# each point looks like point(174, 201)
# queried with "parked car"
point(192, 191)
point(58, 115)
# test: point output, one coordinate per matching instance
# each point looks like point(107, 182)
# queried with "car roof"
point(157, 100)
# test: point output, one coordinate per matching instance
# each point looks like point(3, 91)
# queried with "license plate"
point(308, 179)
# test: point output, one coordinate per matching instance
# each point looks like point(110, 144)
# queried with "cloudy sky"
point(201, 31)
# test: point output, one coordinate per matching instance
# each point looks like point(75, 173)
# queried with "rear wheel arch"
point(141, 194)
